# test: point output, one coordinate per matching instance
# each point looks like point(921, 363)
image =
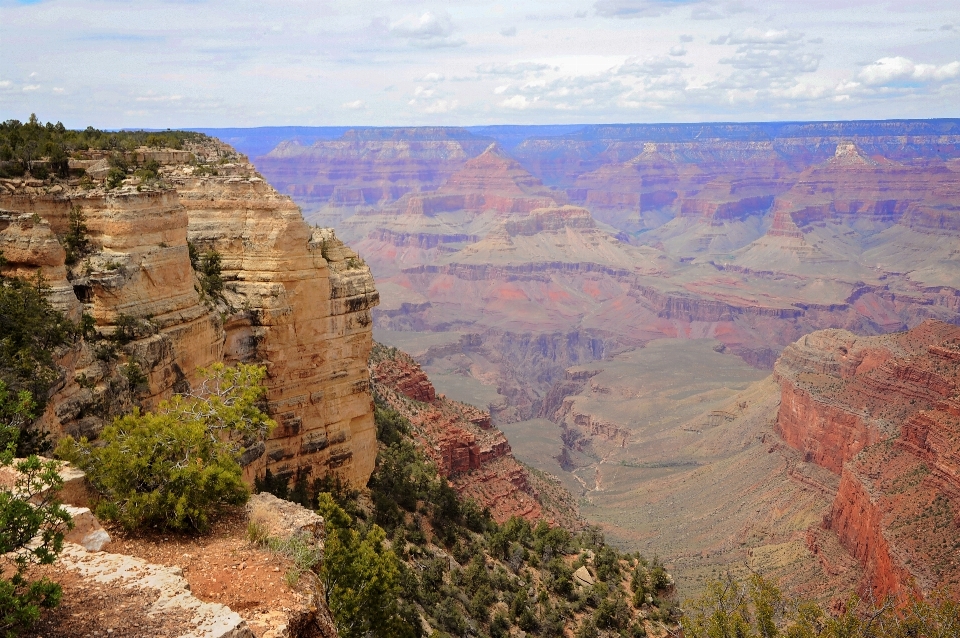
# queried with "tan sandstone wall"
point(296, 300)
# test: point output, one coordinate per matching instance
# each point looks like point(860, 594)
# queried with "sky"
point(223, 63)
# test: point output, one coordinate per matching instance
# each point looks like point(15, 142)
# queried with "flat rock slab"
point(174, 601)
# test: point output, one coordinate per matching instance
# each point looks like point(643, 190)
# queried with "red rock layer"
point(841, 393)
point(884, 413)
point(852, 186)
point(490, 181)
point(459, 438)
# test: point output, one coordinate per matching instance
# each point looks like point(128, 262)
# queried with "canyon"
point(466, 448)
point(617, 295)
point(736, 346)
point(752, 234)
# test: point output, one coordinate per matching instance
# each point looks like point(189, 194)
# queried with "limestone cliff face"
point(295, 300)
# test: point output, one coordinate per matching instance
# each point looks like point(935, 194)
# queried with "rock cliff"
point(367, 167)
point(459, 438)
point(882, 413)
point(294, 299)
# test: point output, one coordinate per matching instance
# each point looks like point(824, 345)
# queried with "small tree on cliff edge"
point(361, 578)
point(176, 467)
point(32, 521)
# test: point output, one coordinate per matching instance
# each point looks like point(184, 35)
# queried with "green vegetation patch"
point(178, 467)
point(409, 557)
point(45, 149)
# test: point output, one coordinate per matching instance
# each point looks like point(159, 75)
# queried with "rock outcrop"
point(294, 299)
point(459, 438)
point(883, 413)
point(167, 584)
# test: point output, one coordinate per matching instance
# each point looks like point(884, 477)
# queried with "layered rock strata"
point(368, 167)
point(882, 413)
point(295, 299)
point(473, 455)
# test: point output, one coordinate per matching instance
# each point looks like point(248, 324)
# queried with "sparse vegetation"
point(729, 608)
point(75, 241)
point(210, 268)
point(32, 521)
point(31, 331)
point(439, 558)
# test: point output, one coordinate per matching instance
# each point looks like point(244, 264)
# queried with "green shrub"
point(758, 608)
point(31, 330)
point(209, 266)
point(40, 171)
point(150, 170)
point(115, 177)
point(75, 241)
point(177, 467)
point(361, 578)
point(32, 522)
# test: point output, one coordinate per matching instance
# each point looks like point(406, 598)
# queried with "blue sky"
point(169, 63)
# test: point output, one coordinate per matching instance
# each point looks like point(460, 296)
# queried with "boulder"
point(283, 519)
point(582, 577)
point(87, 531)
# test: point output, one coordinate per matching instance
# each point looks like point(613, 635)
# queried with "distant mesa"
point(848, 154)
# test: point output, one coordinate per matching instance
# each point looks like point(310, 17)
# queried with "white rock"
point(87, 530)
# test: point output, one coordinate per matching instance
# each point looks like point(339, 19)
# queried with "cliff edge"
point(882, 413)
point(193, 261)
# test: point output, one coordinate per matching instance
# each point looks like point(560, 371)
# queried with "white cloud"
point(513, 68)
point(767, 59)
point(158, 98)
point(761, 37)
point(356, 105)
point(441, 106)
point(705, 13)
point(899, 70)
point(517, 103)
point(479, 63)
point(637, 8)
point(651, 67)
point(428, 30)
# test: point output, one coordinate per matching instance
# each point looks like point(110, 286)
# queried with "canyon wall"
point(294, 299)
point(882, 412)
point(472, 454)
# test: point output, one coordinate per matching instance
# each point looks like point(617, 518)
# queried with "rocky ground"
point(164, 584)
